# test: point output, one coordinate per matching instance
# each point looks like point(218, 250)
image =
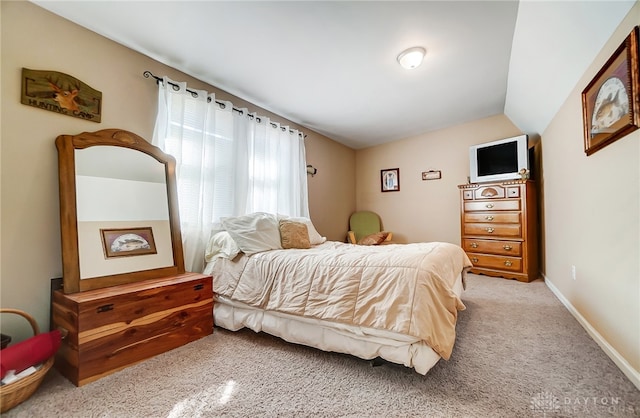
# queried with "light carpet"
point(518, 353)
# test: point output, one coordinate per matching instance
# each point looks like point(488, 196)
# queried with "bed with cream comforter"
point(398, 301)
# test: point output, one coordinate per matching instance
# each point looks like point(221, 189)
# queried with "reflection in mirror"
point(120, 189)
point(119, 219)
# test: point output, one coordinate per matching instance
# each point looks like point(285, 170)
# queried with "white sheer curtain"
point(228, 163)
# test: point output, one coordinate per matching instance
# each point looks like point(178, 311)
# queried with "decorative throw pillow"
point(314, 237)
point(373, 239)
point(294, 234)
point(255, 232)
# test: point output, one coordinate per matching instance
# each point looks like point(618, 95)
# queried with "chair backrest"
point(364, 223)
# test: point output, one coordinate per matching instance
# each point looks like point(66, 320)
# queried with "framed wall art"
point(61, 93)
point(390, 180)
point(610, 102)
point(124, 242)
point(432, 175)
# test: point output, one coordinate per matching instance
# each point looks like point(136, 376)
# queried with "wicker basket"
point(19, 391)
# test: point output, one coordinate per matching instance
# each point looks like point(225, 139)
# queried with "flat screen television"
point(499, 160)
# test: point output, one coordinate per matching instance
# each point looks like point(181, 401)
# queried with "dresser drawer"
point(513, 204)
point(493, 230)
point(497, 217)
point(497, 262)
point(511, 248)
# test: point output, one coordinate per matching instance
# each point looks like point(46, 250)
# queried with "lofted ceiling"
point(331, 65)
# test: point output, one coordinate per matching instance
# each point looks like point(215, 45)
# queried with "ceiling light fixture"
point(412, 57)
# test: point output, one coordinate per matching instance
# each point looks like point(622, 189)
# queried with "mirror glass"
point(121, 193)
point(119, 218)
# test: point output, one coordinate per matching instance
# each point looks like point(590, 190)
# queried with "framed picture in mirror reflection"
point(126, 242)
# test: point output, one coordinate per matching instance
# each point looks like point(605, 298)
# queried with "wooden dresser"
point(499, 228)
point(114, 327)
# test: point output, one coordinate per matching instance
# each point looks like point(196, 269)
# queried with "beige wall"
point(36, 39)
point(332, 191)
point(592, 217)
point(424, 210)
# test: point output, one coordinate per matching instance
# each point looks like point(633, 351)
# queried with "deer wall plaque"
point(61, 93)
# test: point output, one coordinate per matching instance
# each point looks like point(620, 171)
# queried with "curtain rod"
point(194, 94)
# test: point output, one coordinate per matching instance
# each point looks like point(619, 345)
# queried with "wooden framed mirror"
point(118, 210)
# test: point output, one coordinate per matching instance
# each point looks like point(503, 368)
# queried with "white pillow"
point(255, 232)
point(221, 245)
point(314, 237)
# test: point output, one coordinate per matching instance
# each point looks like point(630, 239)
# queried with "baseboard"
point(623, 365)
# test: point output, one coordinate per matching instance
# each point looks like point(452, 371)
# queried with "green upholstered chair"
point(364, 223)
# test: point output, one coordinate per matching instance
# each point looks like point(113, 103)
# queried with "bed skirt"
point(365, 343)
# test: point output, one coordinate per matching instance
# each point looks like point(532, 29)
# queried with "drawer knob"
point(198, 286)
point(489, 218)
point(489, 205)
point(507, 263)
point(490, 230)
point(474, 245)
point(474, 259)
point(508, 247)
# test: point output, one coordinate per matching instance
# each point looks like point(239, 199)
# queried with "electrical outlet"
point(573, 272)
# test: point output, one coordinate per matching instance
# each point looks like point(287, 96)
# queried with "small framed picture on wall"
point(390, 180)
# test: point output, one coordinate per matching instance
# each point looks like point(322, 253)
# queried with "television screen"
point(498, 159)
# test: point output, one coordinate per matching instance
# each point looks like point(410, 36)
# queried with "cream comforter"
point(404, 288)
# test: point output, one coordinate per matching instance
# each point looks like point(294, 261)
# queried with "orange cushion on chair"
point(29, 352)
point(374, 239)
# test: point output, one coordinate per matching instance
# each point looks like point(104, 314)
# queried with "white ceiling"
point(331, 66)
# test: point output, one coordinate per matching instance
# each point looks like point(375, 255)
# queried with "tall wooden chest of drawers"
point(499, 228)
point(114, 327)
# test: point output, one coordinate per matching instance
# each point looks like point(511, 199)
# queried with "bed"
point(398, 302)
